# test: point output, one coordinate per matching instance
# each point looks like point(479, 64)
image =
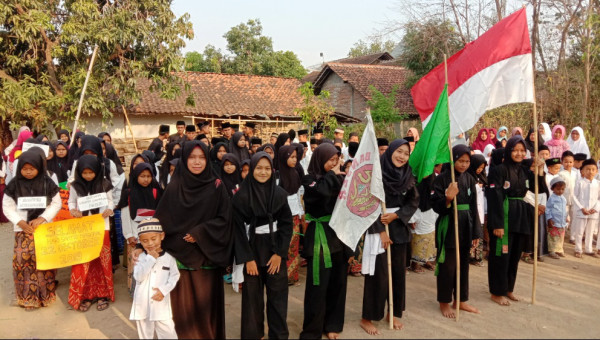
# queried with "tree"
point(251, 53)
point(375, 45)
point(45, 48)
point(315, 109)
point(424, 46)
point(383, 110)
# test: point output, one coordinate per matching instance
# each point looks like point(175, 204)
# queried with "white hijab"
point(580, 145)
point(487, 152)
point(547, 136)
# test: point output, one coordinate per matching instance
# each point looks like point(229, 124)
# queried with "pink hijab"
point(23, 136)
point(480, 144)
point(560, 141)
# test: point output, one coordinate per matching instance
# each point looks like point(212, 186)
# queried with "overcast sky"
point(305, 27)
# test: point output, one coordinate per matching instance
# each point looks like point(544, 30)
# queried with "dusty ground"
point(568, 306)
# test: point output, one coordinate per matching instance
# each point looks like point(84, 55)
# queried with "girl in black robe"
point(402, 200)
point(263, 229)
point(241, 152)
point(476, 256)
point(74, 149)
point(282, 139)
point(508, 184)
point(195, 214)
point(469, 230)
point(327, 270)
point(59, 165)
point(65, 136)
point(268, 148)
point(231, 180)
point(166, 164)
point(216, 155)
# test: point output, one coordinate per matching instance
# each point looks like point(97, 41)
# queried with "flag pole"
point(536, 220)
point(389, 263)
point(453, 177)
point(87, 78)
point(130, 128)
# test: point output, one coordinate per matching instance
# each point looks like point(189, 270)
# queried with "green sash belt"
point(320, 242)
point(441, 236)
point(502, 243)
point(184, 267)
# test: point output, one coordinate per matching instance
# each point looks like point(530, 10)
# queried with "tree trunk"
point(5, 134)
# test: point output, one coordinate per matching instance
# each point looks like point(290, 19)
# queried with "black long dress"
point(325, 302)
point(256, 205)
point(469, 229)
point(402, 196)
point(509, 180)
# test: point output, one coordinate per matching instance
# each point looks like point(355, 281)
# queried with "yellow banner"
point(68, 242)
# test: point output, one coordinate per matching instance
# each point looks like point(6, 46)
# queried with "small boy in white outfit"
point(586, 204)
point(156, 274)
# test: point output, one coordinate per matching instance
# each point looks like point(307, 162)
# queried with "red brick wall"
point(341, 97)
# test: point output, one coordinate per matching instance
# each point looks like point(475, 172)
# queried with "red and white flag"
point(494, 70)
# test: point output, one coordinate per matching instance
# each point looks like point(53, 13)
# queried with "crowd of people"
point(196, 212)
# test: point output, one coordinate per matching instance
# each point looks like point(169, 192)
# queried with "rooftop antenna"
point(321, 54)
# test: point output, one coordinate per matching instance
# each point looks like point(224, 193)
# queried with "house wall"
point(344, 98)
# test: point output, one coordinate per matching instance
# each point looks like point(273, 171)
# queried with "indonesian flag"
point(490, 72)
point(359, 201)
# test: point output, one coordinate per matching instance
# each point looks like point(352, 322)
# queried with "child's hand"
point(75, 213)
point(135, 255)
point(189, 238)
point(499, 233)
point(585, 211)
point(153, 253)
point(26, 227)
point(388, 218)
point(385, 239)
point(452, 191)
point(251, 268)
point(37, 222)
point(541, 209)
point(107, 212)
point(158, 296)
point(592, 211)
point(131, 241)
point(475, 243)
point(274, 264)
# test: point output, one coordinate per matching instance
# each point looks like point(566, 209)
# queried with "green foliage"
point(45, 49)
point(384, 111)
point(251, 53)
point(424, 45)
point(375, 45)
point(315, 108)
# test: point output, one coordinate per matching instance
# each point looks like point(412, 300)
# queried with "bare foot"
point(333, 335)
point(368, 326)
point(397, 324)
point(501, 300)
point(466, 307)
point(512, 296)
point(447, 311)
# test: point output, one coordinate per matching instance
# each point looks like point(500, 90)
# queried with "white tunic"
point(149, 273)
point(585, 195)
point(14, 215)
point(73, 205)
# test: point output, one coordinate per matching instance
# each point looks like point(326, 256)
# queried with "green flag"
point(432, 147)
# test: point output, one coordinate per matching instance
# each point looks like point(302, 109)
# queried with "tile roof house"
point(348, 85)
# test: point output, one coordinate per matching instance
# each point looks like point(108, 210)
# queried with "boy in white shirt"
point(156, 274)
point(586, 204)
point(570, 175)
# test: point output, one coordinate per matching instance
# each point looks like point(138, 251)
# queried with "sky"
point(306, 27)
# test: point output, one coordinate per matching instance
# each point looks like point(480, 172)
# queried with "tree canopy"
point(45, 49)
point(250, 53)
point(371, 46)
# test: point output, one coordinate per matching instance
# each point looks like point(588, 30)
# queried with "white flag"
point(359, 202)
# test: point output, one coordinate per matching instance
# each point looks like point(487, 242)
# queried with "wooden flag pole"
point(536, 220)
point(87, 78)
point(389, 263)
point(453, 177)
point(130, 128)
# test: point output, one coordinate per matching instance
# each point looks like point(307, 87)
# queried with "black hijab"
point(59, 165)
point(93, 144)
point(529, 144)
point(232, 180)
point(40, 185)
point(397, 180)
point(197, 205)
point(264, 146)
point(289, 178)
point(216, 162)
point(166, 164)
point(98, 185)
point(65, 132)
point(40, 137)
point(476, 161)
point(240, 153)
point(281, 139)
point(111, 153)
point(151, 156)
point(102, 134)
point(510, 145)
point(139, 197)
point(320, 156)
point(74, 149)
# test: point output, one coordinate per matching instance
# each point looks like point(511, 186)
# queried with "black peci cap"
point(163, 129)
point(190, 128)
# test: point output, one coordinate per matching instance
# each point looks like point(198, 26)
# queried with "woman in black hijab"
point(402, 200)
point(34, 288)
point(325, 295)
point(231, 180)
point(166, 164)
point(282, 139)
point(477, 170)
point(508, 228)
point(469, 230)
point(151, 156)
point(241, 152)
point(63, 135)
point(59, 165)
point(195, 213)
point(216, 155)
point(111, 153)
point(74, 149)
point(263, 247)
point(291, 181)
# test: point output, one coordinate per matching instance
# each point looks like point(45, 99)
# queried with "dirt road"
point(568, 306)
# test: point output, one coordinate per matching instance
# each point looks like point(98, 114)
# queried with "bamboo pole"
point(536, 220)
point(457, 300)
point(130, 129)
point(389, 263)
point(87, 78)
